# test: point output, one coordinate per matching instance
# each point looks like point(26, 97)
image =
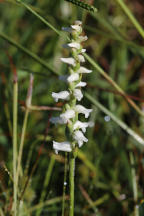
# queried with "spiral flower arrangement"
point(75, 129)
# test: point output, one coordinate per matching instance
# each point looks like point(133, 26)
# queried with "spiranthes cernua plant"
point(75, 129)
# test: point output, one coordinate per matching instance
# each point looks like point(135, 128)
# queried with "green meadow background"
point(109, 172)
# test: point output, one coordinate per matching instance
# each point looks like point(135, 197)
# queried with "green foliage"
point(106, 180)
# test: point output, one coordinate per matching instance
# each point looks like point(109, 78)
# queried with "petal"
point(73, 77)
point(70, 61)
point(81, 84)
point(76, 28)
point(80, 138)
point(83, 38)
point(62, 146)
point(81, 58)
point(74, 45)
point(81, 125)
point(67, 115)
point(78, 94)
point(84, 70)
point(60, 95)
point(83, 110)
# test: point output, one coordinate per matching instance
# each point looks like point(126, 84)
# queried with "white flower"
point(73, 77)
point(56, 120)
point(81, 125)
point(62, 146)
point(83, 110)
point(67, 29)
point(70, 61)
point(67, 115)
point(78, 94)
point(60, 95)
point(76, 28)
point(81, 84)
point(81, 58)
point(79, 137)
point(74, 45)
point(83, 38)
point(84, 70)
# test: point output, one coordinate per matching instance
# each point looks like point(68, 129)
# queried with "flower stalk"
point(71, 183)
point(15, 114)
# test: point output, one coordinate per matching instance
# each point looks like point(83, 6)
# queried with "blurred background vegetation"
point(109, 169)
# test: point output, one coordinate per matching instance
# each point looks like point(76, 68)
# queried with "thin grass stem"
point(40, 17)
point(134, 184)
point(28, 103)
point(22, 144)
point(15, 114)
point(44, 108)
point(44, 204)
point(88, 199)
point(131, 17)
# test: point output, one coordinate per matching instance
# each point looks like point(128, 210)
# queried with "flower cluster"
point(69, 116)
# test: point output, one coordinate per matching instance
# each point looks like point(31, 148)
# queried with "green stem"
point(46, 182)
point(71, 182)
point(42, 205)
point(131, 17)
point(21, 144)
point(15, 112)
point(134, 184)
point(65, 183)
